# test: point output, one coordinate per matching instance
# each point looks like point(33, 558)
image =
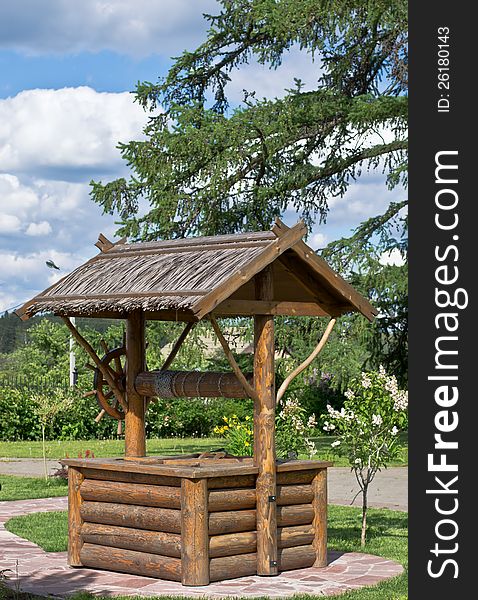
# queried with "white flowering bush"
point(374, 412)
point(294, 430)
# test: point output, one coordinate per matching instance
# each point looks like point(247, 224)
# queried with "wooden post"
point(264, 430)
point(194, 532)
point(75, 522)
point(135, 436)
point(319, 487)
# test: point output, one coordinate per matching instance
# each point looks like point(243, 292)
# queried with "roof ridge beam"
point(128, 253)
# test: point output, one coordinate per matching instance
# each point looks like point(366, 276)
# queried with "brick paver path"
point(48, 574)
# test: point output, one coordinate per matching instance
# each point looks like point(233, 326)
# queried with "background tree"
point(206, 166)
point(46, 407)
point(374, 259)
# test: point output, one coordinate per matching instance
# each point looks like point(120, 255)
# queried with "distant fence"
point(32, 384)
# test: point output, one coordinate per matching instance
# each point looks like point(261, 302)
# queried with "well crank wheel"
point(114, 360)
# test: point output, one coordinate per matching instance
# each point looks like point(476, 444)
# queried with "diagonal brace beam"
point(97, 360)
point(250, 391)
point(177, 346)
point(307, 361)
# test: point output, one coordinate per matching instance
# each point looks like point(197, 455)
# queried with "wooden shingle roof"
point(185, 279)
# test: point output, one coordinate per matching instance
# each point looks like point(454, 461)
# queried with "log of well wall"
point(190, 529)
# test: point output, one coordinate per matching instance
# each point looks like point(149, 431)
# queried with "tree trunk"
point(364, 515)
point(45, 468)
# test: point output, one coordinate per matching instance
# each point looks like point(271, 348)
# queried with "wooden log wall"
point(75, 521)
point(192, 530)
point(234, 535)
point(130, 561)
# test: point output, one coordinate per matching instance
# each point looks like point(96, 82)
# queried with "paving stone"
point(45, 573)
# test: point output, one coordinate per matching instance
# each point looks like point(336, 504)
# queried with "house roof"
point(185, 279)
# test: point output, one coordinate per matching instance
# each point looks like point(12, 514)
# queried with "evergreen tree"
point(207, 167)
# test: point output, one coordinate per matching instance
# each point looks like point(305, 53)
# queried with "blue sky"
point(67, 70)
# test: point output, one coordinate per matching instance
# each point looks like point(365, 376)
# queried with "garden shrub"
point(178, 417)
point(238, 434)
point(367, 427)
point(293, 431)
point(17, 419)
point(317, 393)
point(191, 417)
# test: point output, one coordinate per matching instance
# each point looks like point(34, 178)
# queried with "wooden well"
point(196, 518)
point(191, 520)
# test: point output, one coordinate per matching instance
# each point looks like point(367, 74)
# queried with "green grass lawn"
point(25, 488)
point(387, 537)
point(105, 448)
point(325, 452)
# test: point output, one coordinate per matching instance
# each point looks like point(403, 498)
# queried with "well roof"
point(185, 279)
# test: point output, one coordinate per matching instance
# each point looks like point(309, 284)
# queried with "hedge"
point(180, 417)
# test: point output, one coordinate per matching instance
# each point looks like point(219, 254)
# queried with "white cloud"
point(139, 28)
point(53, 213)
point(16, 198)
point(393, 258)
point(8, 299)
point(54, 220)
point(317, 240)
point(366, 198)
point(60, 133)
point(37, 229)
point(51, 144)
point(26, 272)
point(272, 83)
point(9, 223)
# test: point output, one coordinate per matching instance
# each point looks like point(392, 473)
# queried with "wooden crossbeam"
point(105, 245)
point(262, 307)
